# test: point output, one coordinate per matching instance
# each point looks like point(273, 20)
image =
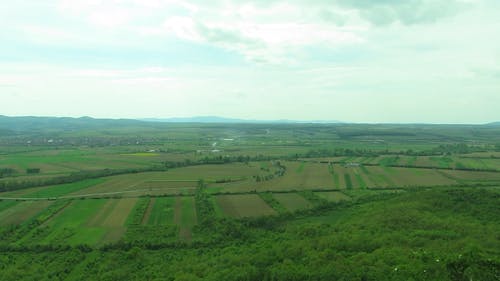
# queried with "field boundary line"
point(92, 194)
point(402, 166)
point(147, 214)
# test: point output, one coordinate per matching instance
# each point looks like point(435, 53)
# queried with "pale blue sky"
point(433, 61)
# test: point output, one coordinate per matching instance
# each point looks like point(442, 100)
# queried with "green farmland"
point(272, 202)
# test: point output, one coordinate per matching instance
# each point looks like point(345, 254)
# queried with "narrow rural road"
point(88, 195)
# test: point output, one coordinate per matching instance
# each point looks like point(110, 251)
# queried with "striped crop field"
point(292, 201)
point(17, 213)
point(161, 212)
point(247, 205)
point(185, 216)
point(333, 196)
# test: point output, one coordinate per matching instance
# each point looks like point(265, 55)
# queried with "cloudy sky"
point(433, 61)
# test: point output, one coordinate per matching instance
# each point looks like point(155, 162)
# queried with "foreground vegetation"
point(423, 235)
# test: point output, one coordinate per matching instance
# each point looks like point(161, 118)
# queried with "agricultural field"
point(298, 176)
point(185, 216)
point(93, 222)
point(472, 177)
point(334, 196)
point(238, 188)
point(292, 201)
point(52, 191)
point(463, 162)
point(70, 225)
point(240, 206)
point(317, 176)
point(236, 177)
point(139, 184)
point(160, 211)
point(179, 212)
point(402, 177)
point(63, 162)
point(15, 213)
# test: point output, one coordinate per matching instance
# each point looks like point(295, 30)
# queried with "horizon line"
point(235, 120)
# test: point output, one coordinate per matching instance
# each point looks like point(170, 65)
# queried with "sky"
point(404, 61)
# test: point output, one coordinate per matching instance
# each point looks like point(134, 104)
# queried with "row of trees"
point(6, 172)
point(445, 149)
point(14, 184)
point(279, 171)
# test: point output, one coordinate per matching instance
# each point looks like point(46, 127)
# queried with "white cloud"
point(48, 35)
point(110, 18)
point(304, 59)
point(298, 34)
point(148, 81)
point(270, 33)
point(254, 40)
point(183, 27)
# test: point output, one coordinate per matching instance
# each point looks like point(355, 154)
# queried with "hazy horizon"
point(417, 61)
point(229, 119)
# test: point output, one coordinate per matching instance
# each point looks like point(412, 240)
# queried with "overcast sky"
point(435, 61)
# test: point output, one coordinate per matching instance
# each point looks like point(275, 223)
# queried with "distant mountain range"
point(217, 119)
point(13, 125)
point(31, 123)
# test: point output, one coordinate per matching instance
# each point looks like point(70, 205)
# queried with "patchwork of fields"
point(320, 174)
point(102, 221)
point(333, 196)
point(292, 201)
point(109, 209)
point(324, 176)
point(95, 221)
point(473, 161)
point(239, 206)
